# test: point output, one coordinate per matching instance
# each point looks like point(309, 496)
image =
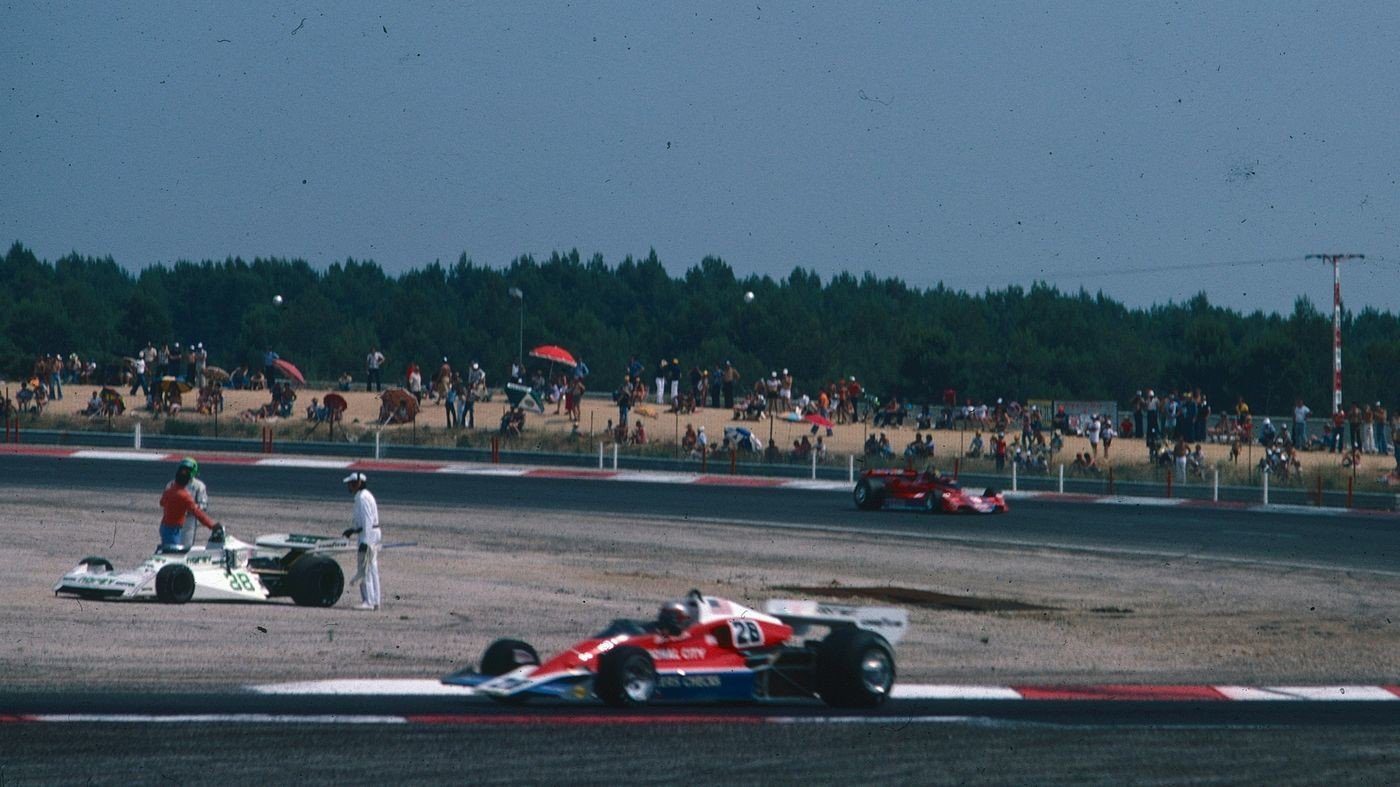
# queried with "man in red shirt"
point(176, 503)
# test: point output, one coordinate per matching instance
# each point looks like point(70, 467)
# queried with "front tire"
point(316, 581)
point(506, 655)
point(174, 584)
point(101, 563)
point(626, 677)
point(855, 668)
point(869, 495)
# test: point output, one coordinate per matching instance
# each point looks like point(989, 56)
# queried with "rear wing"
point(889, 622)
point(307, 543)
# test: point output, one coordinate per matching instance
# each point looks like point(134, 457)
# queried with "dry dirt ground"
point(665, 427)
point(476, 575)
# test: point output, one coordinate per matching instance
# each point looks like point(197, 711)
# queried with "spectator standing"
point(1151, 408)
point(999, 450)
point(56, 375)
point(730, 378)
point(138, 379)
point(201, 363)
point(1368, 430)
point(269, 371)
point(1107, 434)
point(365, 527)
point(374, 369)
point(1382, 425)
point(1339, 420)
point(1094, 431)
point(1300, 422)
point(623, 397)
point(1354, 422)
point(1138, 403)
point(673, 378)
point(662, 372)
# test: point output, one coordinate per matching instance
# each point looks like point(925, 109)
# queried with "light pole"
point(516, 292)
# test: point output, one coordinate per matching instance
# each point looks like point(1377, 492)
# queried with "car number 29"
point(240, 581)
point(746, 633)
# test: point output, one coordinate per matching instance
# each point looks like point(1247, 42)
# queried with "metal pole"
point(614, 456)
point(1266, 488)
point(850, 468)
point(1013, 476)
point(1215, 489)
point(136, 436)
point(814, 465)
point(1062, 478)
point(600, 455)
point(376, 445)
point(1335, 260)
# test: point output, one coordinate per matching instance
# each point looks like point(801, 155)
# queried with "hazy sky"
point(975, 143)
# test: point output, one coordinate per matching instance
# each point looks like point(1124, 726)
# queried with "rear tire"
point(869, 495)
point(626, 677)
point(855, 668)
point(316, 581)
point(505, 655)
point(990, 492)
point(174, 584)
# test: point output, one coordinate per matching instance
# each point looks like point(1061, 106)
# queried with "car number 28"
point(240, 581)
point(746, 633)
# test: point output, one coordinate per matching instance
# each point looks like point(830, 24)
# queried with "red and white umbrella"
point(554, 354)
point(289, 369)
point(818, 420)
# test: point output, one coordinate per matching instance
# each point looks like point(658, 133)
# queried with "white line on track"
point(914, 691)
point(1330, 693)
point(475, 470)
point(129, 456)
point(870, 719)
point(388, 687)
point(654, 478)
point(1119, 500)
point(314, 464)
point(218, 718)
point(818, 486)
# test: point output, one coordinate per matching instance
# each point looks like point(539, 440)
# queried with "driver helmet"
point(674, 618)
point(190, 464)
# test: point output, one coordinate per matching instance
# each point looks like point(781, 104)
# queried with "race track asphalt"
point(1286, 539)
point(933, 742)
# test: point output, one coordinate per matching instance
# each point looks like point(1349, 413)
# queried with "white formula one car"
point(280, 564)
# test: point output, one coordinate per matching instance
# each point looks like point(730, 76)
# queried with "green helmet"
point(190, 463)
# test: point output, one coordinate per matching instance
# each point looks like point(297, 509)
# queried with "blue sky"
point(979, 144)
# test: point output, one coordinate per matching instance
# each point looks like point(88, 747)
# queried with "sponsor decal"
point(688, 681)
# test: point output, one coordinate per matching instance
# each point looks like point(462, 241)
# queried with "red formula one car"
point(928, 491)
point(703, 648)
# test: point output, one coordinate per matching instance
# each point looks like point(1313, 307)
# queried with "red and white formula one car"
point(928, 491)
point(703, 648)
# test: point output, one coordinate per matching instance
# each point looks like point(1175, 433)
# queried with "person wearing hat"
point(176, 503)
point(200, 493)
point(365, 525)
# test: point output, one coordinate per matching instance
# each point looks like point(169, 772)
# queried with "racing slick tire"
point(990, 491)
point(869, 495)
point(626, 677)
point(931, 503)
point(97, 562)
point(505, 655)
point(315, 581)
point(855, 668)
point(175, 583)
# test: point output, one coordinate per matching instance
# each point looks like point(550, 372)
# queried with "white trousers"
point(367, 570)
point(661, 390)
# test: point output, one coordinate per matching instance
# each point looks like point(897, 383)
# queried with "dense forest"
point(1034, 342)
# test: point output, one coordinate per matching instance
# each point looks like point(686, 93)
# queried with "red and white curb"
point(415, 688)
point(408, 687)
point(632, 476)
